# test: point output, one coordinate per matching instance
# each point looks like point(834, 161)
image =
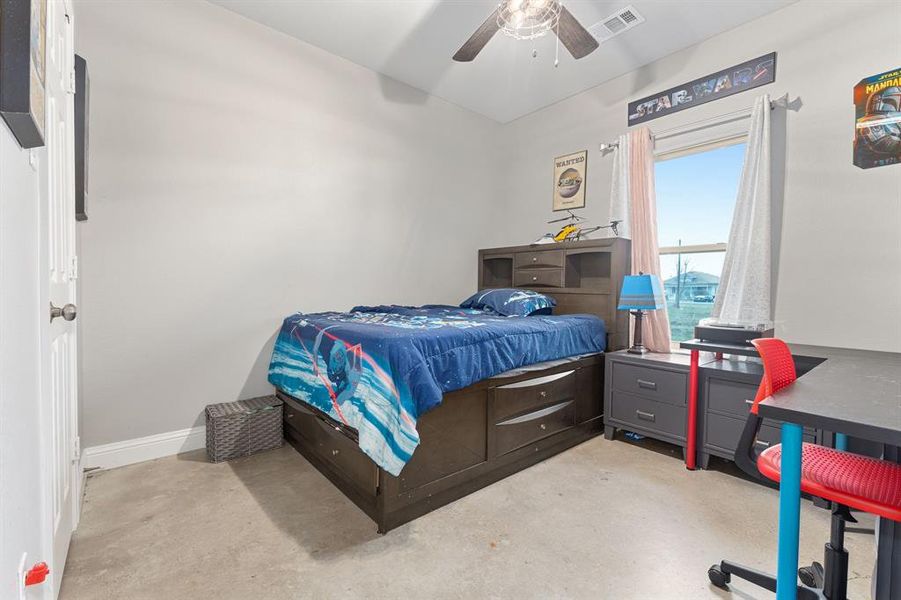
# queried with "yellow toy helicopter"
point(574, 229)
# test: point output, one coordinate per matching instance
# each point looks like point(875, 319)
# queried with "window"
point(695, 200)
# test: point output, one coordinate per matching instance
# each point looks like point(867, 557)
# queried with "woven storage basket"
point(235, 429)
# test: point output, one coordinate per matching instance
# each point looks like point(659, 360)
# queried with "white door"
point(60, 456)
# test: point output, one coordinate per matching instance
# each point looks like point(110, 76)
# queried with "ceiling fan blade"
point(482, 36)
point(574, 37)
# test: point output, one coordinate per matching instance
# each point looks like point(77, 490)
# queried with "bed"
point(406, 409)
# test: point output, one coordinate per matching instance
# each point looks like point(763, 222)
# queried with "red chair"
point(847, 480)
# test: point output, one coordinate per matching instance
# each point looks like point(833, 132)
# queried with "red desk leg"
point(692, 425)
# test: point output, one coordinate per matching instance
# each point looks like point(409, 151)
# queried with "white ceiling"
point(413, 41)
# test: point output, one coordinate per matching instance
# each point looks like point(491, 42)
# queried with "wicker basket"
point(235, 429)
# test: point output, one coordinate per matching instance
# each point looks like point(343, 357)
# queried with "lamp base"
point(637, 345)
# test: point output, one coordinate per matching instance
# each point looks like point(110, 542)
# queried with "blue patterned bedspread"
point(377, 369)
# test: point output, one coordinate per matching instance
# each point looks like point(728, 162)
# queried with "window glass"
point(695, 200)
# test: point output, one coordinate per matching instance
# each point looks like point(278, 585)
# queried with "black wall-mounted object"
point(748, 75)
point(82, 112)
point(22, 69)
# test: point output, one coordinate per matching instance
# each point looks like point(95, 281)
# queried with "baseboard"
point(129, 452)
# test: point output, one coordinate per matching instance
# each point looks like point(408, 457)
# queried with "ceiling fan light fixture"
point(527, 19)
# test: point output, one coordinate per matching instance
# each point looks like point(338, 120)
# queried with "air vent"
point(615, 24)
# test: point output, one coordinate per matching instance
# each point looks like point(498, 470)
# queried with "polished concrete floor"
point(607, 519)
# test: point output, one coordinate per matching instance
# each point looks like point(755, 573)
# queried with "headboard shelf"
point(584, 277)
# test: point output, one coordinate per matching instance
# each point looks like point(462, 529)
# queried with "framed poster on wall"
point(23, 41)
point(877, 123)
point(569, 180)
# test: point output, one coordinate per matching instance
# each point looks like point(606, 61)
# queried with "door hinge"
point(71, 89)
point(73, 269)
point(76, 449)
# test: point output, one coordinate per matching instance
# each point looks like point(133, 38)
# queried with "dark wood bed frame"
point(495, 427)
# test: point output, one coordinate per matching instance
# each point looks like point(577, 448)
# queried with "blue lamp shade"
point(641, 292)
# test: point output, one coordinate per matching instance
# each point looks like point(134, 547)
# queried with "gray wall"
point(237, 176)
point(839, 275)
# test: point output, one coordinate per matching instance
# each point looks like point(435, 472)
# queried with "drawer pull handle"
point(543, 426)
point(534, 416)
point(534, 259)
point(762, 443)
point(335, 452)
point(646, 416)
point(289, 416)
point(543, 394)
point(648, 385)
point(534, 277)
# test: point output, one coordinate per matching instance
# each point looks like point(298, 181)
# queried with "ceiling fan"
point(529, 19)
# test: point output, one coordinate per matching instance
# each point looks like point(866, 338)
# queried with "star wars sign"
point(746, 76)
point(877, 127)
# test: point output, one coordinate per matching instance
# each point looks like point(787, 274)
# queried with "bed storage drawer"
point(538, 278)
point(538, 258)
point(646, 414)
point(531, 394)
point(516, 432)
point(331, 445)
point(657, 384)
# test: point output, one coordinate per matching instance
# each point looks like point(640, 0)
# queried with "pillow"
point(511, 302)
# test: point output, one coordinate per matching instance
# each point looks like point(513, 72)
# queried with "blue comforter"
point(377, 369)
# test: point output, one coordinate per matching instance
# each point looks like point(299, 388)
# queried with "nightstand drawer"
point(771, 433)
point(658, 384)
point(538, 278)
point(517, 432)
point(645, 413)
point(730, 397)
point(539, 258)
point(523, 396)
point(723, 432)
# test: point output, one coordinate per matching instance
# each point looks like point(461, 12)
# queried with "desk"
point(852, 392)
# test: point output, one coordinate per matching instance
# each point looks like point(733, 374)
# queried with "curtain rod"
point(702, 123)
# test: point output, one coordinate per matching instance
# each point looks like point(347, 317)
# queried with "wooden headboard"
point(583, 277)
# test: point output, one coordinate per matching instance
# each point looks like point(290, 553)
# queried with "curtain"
point(743, 297)
point(619, 189)
point(632, 200)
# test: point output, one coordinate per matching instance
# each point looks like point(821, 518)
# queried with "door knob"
point(67, 312)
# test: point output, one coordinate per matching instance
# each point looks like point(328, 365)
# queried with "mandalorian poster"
point(877, 127)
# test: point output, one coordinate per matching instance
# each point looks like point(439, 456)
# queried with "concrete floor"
point(608, 519)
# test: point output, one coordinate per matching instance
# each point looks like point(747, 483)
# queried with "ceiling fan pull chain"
point(557, 41)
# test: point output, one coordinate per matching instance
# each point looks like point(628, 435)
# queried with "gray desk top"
point(857, 392)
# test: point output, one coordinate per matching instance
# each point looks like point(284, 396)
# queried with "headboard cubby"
point(584, 277)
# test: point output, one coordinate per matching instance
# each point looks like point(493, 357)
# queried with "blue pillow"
point(511, 302)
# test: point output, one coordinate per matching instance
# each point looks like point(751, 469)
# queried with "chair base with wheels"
point(813, 578)
point(844, 479)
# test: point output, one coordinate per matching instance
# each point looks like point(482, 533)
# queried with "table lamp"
point(640, 293)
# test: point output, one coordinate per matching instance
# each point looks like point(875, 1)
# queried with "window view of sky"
point(695, 199)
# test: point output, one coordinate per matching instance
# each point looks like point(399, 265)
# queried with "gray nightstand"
point(647, 394)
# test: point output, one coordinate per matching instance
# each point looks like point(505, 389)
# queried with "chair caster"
point(813, 576)
point(718, 577)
